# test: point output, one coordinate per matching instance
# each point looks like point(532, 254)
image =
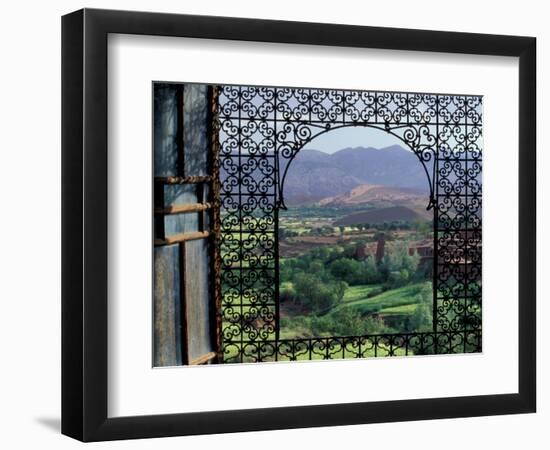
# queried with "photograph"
point(300, 224)
point(275, 225)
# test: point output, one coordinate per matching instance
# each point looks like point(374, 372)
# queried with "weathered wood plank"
point(186, 208)
point(167, 310)
point(184, 180)
point(196, 129)
point(165, 129)
point(203, 359)
point(197, 299)
point(181, 195)
point(182, 237)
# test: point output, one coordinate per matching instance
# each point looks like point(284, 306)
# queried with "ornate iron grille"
point(261, 129)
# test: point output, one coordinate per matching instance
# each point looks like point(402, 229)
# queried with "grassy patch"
point(406, 295)
point(358, 293)
point(403, 309)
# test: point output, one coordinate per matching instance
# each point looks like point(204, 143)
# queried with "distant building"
point(461, 250)
point(424, 249)
point(374, 249)
point(380, 247)
point(366, 250)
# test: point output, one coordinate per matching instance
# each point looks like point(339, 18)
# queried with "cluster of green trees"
point(307, 282)
point(348, 321)
point(318, 280)
point(385, 226)
point(313, 286)
point(285, 233)
point(312, 294)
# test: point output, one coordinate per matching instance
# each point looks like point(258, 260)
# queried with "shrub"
point(421, 320)
point(287, 293)
point(315, 295)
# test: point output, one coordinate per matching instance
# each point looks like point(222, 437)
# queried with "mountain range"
point(315, 176)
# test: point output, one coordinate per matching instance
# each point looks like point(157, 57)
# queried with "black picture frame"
point(84, 224)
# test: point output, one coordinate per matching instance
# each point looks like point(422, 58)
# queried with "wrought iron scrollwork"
point(261, 130)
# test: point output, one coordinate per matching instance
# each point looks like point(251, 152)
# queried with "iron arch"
point(424, 153)
point(261, 129)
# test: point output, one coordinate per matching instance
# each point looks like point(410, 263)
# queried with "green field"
point(359, 293)
point(405, 297)
point(361, 301)
point(403, 309)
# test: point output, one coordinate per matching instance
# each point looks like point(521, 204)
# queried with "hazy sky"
point(353, 137)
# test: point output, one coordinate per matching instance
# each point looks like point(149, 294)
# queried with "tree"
point(372, 274)
point(323, 253)
point(340, 288)
point(285, 270)
point(349, 270)
point(350, 322)
point(425, 270)
point(287, 293)
point(398, 278)
point(399, 266)
point(313, 294)
point(423, 228)
point(327, 230)
point(426, 292)
point(421, 319)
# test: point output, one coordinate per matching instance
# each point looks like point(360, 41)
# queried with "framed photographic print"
point(276, 224)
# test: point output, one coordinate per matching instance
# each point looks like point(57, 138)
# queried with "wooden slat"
point(180, 162)
point(183, 180)
point(182, 237)
point(186, 208)
point(183, 304)
point(167, 348)
point(202, 359)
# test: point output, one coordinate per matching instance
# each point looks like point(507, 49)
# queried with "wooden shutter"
point(186, 327)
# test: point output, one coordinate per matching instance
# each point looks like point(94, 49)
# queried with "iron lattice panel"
point(261, 129)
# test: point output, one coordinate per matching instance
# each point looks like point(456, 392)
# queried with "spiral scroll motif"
point(261, 129)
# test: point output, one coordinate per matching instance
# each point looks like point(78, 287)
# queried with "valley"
point(356, 263)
